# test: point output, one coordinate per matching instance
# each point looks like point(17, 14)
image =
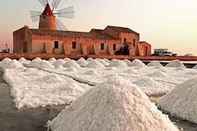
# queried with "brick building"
point(112, 40)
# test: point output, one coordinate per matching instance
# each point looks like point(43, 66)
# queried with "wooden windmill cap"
point(47, 11)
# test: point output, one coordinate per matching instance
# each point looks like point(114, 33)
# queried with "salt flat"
point(39, 83)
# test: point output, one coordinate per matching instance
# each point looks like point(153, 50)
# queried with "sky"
point(168, 24)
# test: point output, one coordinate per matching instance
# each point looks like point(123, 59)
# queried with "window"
point(134, 42)
point(25, 47)
point(74, 45)
point(102, 46)
point(114, 46)
point(56, 44)
point(125, 40)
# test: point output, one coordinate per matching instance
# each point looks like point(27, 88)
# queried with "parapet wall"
point(143, 58)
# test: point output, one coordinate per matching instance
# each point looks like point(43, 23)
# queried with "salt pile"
point(52, 60)
point(155, 64)
point(24, 61)
point(175, 63)
point(158, 74)
point(38, 63)
point(66, 59)
point(127, 61)
point(12, 64)
point(59, 63)
point(105, 62)
point(195, 67)
point(181, 102)
point(71, 64)
point(118, 63)
point(82, 62)
point(137, 63)
point(115, 105)
point(150, 87)
point(94, 64)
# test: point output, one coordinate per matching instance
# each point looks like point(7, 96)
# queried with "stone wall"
point(144, 49)
point(77, 43)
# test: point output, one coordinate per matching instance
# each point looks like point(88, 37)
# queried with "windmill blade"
point(35, 15)
point(55, 3)
point(66, 12)
point(43, 2)
point(60, 25)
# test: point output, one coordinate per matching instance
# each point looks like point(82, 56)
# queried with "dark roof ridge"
point(121, 29)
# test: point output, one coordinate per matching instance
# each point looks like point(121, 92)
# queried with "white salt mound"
point(6, 60)
point(94, 64)
point(127, 61)
point(67, 59)
point(115, 105)
point(52, 60)
point(118, 63)
point(43, 64)
point(181, 102)
point(137, 63)
point(157, 74)
point(58, 63)
point(175, 63)
point(103, 61)
point(71, 63)
point(195, 67)
point(13, 64)
point(22, 60)
point(82, 62)
point(152, 87)
point(155, 64)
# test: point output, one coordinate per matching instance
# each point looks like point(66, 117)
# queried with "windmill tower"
point(48, 19)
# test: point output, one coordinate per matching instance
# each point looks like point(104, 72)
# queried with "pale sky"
point(168, 24)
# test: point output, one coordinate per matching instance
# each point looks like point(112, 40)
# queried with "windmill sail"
point(35, 15)
point(60, 25)
point(55, 3)
point(66, 12)
point(43, 2)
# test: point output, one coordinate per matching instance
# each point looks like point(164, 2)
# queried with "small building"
point(112, 40)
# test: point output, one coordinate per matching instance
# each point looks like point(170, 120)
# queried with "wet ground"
point(12, 119)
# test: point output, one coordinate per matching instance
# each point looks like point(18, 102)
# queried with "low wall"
point(145, 58)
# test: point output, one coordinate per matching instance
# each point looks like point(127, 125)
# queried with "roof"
point(47, 11)
point(100, 34)
point(73, 34)
point(121, 29)
point(61, 33)
point(144, 43)
point(93, 34)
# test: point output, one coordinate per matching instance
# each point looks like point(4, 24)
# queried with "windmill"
point(49, 17)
